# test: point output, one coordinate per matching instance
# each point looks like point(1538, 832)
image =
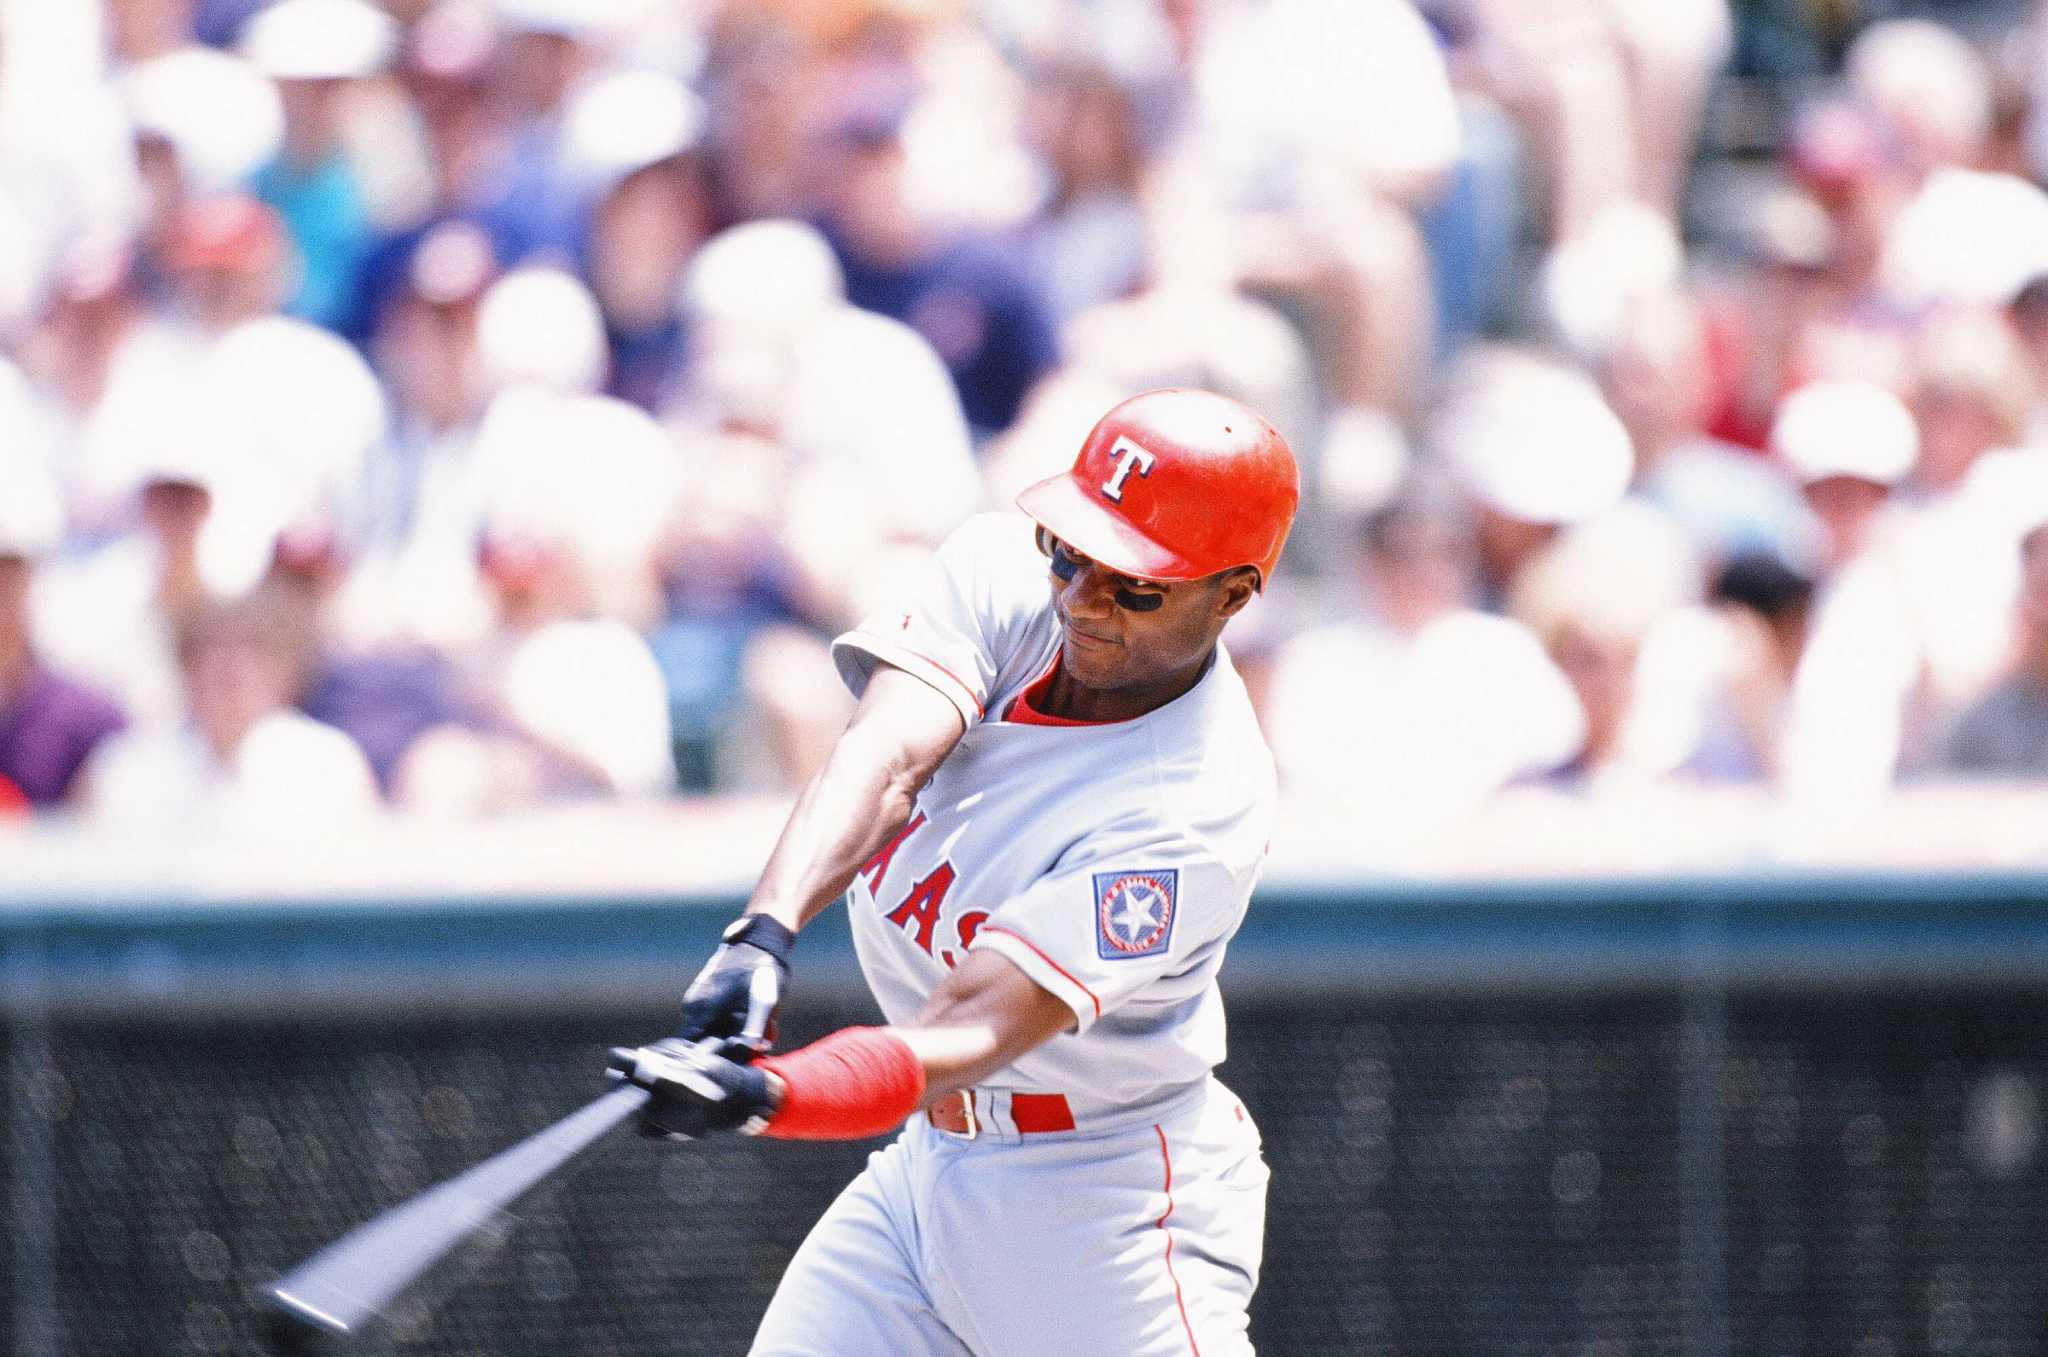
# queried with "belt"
point(1030, 1113)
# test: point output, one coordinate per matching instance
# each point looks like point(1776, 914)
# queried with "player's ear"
point(1234, 589)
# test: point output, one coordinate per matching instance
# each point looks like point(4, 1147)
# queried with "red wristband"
point(858, 1082)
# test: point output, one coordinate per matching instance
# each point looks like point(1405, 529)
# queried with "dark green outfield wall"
point(1772, 1116)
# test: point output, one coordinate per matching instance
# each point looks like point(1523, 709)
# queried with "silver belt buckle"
point(967, 1106)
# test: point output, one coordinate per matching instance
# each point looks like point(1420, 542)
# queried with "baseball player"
point(1046, 818)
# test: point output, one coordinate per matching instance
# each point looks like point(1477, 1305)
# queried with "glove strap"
point(758, 930)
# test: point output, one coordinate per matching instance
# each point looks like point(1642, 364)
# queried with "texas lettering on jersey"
point(918, 913)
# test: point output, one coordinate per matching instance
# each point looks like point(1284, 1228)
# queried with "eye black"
point(1138, 603)
point(1064, 566)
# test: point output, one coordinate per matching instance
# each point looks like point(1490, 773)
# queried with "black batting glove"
point(734, 998)
point(695, 1090)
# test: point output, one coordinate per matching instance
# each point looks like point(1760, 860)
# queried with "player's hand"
point(735, 996)
point(696, 1090)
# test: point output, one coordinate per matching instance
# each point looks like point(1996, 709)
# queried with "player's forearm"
point(900, 733)
point(842, 818)
point(954, 1058)
point(984, 1016)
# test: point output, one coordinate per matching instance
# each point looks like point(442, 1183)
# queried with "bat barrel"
point(347, 1285)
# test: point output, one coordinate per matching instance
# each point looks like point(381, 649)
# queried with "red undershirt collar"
point(1024, 709)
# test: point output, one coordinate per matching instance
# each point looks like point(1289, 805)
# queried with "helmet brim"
point(1073, 515)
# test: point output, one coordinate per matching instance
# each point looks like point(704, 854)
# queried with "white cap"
point(306, 407)
point(1845, 427)
point(1967, 237)
point(590, 473)
point(320, 40)
point(1593, 283)
point(1532, 439)
point(627, 120)
point(778, 275)
point(541, 325)
point(219, 113)
point(146, 426)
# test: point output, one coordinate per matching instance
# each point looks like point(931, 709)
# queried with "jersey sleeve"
point(960, 620)
point(1098, 933)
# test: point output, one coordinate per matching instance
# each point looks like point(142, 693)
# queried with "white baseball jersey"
point(1111, 862)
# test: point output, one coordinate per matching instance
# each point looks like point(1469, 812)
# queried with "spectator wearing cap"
point(91, 311)
point(2005, 733)
point(110, 615)
point(636, 135)
point(388, 696)
point(1972, 393)
point(49, 722)
point(565, 549)
point(427, 349)
point(1411, 706)
point(955, 286)
point(1960, 234)
point(446, 71)
point(1537, 449)
point(203, 123)
point(460, 338)
point(1609, 598)
point(318, 51)
point(96, 327)
point(1850, 443)
point(242, 758)
point(1952, 566)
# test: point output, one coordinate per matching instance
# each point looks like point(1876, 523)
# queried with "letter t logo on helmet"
point(1174, 485)
point(1128, 456)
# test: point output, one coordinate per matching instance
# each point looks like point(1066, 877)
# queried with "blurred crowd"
point(459, 405)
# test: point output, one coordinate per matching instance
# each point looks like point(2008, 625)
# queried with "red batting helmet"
point(1174, 485)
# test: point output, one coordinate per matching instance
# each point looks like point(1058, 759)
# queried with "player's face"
point(1143, 641)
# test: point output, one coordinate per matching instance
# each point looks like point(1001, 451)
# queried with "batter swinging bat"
point(347, 1284)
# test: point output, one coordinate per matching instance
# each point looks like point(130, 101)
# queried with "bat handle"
point(764, 993)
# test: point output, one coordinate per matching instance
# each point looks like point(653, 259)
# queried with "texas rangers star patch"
point(1134, 912)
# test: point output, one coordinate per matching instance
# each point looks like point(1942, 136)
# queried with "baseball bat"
point(344, 1286)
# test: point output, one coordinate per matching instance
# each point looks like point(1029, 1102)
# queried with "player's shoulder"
point(1215, 778)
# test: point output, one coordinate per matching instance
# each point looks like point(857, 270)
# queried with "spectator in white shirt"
point(242, 758)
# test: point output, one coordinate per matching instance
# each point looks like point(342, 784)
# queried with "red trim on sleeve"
point(1035, 951)
point(979, 710)
point(883, 647)
point(1178, 1300)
